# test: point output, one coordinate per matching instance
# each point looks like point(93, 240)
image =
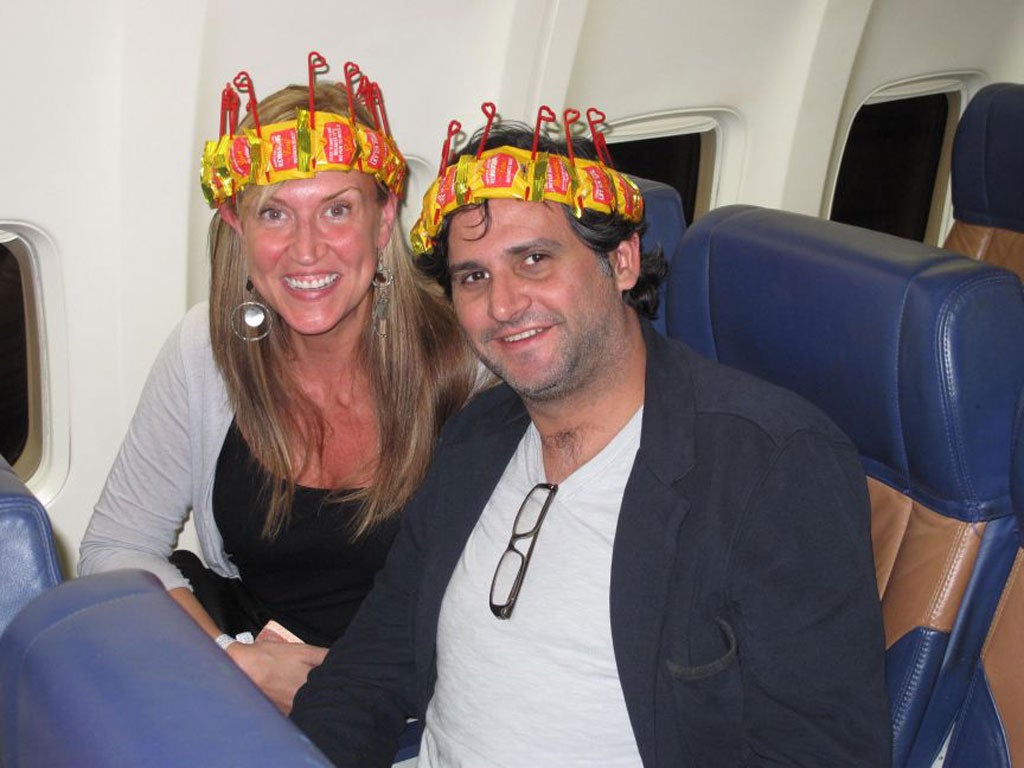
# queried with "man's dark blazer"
point(745, 619)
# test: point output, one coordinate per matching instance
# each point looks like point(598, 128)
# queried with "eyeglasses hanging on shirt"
point(511, 570)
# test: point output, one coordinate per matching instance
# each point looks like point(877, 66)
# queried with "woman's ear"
point(230, 215)
point(388, 216)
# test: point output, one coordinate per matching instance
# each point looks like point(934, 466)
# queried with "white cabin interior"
point(107, 106)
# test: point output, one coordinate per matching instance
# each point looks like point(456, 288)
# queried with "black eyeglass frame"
point(504, 610)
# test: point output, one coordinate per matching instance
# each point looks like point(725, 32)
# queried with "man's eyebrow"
point(538, 244)
point(515, 251)
point(464, 266)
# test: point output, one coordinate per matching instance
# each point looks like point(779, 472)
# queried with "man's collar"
point(667, 437)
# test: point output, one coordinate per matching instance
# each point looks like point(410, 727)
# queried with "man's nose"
point(508, 298)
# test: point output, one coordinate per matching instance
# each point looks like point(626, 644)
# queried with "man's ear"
point(625, 262)
point(230, 215)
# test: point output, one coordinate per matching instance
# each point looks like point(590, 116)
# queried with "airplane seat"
point(665, 227)
point(107, 670)
point(28, 556)
point(987, 168)
point(915, 353)
point(990, 727)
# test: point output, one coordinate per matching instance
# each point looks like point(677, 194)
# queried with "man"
point(623, 555)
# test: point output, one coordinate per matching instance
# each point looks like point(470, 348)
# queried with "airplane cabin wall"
point(783, 81)
point(111, 102)
point(916, 49)
point(92, 183)
point(742, 63)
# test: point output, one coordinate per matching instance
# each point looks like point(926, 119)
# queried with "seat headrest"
point(665, 226)
point(988, 159)
point(915, 352)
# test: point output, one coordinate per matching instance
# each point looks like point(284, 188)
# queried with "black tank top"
point(312, 576)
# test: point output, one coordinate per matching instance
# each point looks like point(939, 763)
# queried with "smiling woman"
point(311, 247)
point(296, 414)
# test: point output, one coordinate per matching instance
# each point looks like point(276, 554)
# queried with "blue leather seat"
point(28, 557)
point(987, 168)
point(665, 227)
point(917, 354)
point(989, 728)
point(107, 670)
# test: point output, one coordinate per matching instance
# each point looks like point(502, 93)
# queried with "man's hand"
point(279, 669)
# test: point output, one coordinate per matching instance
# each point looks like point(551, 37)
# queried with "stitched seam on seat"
point(902, 705)
point(953, 428)
point(1000, 609)
point(954, 557)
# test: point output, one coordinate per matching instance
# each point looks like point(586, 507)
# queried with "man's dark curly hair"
point(600, 232)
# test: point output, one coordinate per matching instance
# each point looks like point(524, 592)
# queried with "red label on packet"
point(601, 192)
point(238, 157)
point(284, 153)
point(339, 143)
point(446, 189)
point(630, 199)
point(499, 171)
point(557, 180)
point(373, 159)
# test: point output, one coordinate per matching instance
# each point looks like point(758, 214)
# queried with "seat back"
point(107, 670)
point(28, 556)
point(915, 353)
point(665, 227)
point(989, 729)
point(988, 165)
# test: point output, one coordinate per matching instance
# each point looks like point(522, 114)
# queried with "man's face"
point(534, 300)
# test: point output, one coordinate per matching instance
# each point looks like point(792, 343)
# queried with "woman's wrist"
point(224, 640)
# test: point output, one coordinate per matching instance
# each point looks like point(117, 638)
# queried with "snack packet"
point(276, 633)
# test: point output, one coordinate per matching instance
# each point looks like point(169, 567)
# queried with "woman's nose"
point(308, 246)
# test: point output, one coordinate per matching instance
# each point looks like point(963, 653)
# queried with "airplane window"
point(672, 160)
point(14, 407)
point(890, 166)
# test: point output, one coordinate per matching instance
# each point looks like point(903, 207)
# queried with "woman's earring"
point(251, 319)
point(382, 281)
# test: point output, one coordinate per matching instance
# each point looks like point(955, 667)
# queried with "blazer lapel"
point(646, 537)
point(475, 466)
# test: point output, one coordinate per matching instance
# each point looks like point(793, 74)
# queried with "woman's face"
point(311, 249)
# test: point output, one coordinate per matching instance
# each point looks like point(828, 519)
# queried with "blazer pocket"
point(683, 672)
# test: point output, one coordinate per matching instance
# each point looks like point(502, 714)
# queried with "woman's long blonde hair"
point(420, 373)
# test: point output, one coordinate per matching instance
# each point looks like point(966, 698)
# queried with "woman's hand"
point(279, 669)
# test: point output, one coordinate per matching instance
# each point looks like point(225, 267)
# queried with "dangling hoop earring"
point(251, 319)
point(383, 278)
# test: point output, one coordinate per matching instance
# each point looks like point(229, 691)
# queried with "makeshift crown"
point(510, 172)
point(299, 149)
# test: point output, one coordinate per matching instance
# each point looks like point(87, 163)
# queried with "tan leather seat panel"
point(929, 559)
point(1001, 247)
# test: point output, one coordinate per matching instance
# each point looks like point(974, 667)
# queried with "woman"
point(295, 415)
